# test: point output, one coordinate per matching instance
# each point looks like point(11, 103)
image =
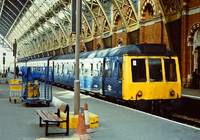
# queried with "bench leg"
point(40, 122)
point(46, 132)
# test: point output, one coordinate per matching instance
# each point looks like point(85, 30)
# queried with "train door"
point(88, 66)
point(101, 76)
point(56, 72)
point(71, 73)
point(62, 73)
point(52, 65)
point(96, 75)
point(109, 82)
point(67, 73)
point(81, 74)
point(118, 77)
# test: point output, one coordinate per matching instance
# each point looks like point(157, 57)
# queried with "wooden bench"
point(51, 118)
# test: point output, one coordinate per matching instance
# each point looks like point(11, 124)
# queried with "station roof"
point(19, 17)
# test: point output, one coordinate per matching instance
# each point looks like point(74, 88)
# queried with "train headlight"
point(139, 93)
point(172, 92)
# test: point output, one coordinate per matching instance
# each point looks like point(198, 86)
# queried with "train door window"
point(170, 70)
point(74, 65)
point(82, 69)
point(57, 68)
point(138, 70)
point(101, 69)
point(87, 70)
point(96, 71)
point(120, 71)
point(63, 68)
point(108, 69)
point(155, 70)
point(91, 70)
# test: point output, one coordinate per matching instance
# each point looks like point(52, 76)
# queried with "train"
point(132, 73)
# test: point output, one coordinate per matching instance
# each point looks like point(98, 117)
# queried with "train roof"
point(41, 59)
point(136, 49)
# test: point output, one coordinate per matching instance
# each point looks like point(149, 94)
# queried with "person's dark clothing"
point(17, 71)
point(195, 79)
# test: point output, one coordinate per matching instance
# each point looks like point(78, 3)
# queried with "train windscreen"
point(138, 70)
point(155, 70)
point(170, 70)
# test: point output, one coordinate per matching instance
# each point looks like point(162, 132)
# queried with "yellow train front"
point(153, 76)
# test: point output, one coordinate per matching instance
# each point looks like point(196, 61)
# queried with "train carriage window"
point(155, 70)
point(120, 71)
point(170, 70)
point(138, 70)
point(108, 69)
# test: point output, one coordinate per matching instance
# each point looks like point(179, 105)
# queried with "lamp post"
point(77, 48)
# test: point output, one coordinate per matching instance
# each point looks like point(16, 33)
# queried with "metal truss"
point(170, 9)
point(49, 28)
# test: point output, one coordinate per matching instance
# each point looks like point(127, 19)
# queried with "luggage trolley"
point(15, 89)
point(33, 90)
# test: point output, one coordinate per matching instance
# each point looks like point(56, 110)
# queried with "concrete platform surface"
point(18, 122)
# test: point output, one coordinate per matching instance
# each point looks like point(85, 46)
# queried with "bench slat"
point(48, 115)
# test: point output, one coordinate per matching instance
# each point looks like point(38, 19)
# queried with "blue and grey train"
point(147, 72)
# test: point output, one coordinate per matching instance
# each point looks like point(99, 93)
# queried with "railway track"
point(186, 119)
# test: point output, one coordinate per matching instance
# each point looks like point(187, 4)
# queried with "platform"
point(191, 93)
point(116, 122)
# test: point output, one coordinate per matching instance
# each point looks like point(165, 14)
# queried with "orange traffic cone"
point(81, 129)
point(87, 121)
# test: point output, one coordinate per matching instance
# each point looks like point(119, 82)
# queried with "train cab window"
point(120, 71)
point(155, 70)
point(138, 70)
point(170, 70)
point(108, 69)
